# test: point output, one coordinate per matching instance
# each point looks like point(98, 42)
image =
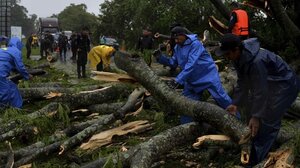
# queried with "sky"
point(45, 8)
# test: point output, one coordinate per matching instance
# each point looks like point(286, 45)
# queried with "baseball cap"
point(178, 30)
point(228, 42)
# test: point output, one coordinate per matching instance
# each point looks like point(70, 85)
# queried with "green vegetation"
point(125, 21)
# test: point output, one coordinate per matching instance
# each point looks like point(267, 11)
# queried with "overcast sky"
point(45, 8)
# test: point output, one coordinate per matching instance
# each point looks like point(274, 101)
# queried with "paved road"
point(69, 66)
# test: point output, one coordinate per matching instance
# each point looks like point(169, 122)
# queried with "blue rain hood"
point(15, 42)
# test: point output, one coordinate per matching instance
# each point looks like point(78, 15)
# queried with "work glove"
point(173, 84)
point(156, 53)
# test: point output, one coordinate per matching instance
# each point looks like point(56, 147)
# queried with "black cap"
point(178, 30)
point(228, 42)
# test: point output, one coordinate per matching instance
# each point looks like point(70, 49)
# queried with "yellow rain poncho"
point(100, 54)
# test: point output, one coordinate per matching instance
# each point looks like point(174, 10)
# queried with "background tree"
point(19, 18)
point(75, 17)
point(125, 19)
point(279, 31)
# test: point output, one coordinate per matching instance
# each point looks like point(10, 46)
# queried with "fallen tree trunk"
point(26, 152)
point(33, 72)
point(50, 108)
point(41, 66)
point(85, 99)
point(98, 126)
point(177, 103)
point(283, 157)
point(145, 153)
point(39, 93)
point(45, 150)
point(105, 108)
point(47, 85)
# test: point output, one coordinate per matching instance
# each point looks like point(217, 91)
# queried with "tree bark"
point(221, 8)
point(39, 93)
point(86, 99)
point(142, 155)
point(48, 84)
point(105, 108)
point(34, 72)
point(177, 103)
point(282, 157)
point(98, 126)
point(16, 132)
point(288, 26)
point(42, 112)
point(11, 157)
point(26, 152)
point(45, 150)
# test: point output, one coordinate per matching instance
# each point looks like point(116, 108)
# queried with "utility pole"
point(5, 17)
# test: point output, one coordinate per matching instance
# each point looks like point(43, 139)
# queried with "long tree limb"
point(289, 27)
point(52, 107)
point(179, 104)
point(221, 8)
point(145, 153)
point(98, 126)
point(40, 92)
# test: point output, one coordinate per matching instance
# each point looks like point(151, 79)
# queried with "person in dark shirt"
point(48, 42)
point(62, 44)
point(28, 46)
point(83, 44)
point(268, 84)
point(145, 41)
point(74, 47)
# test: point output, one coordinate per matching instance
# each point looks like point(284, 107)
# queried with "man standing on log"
point(11, 59)
point(269, 85)
point(199, 71)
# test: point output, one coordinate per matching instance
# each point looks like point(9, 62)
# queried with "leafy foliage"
point(75, 17)
point(19, 18)
point(127, 18)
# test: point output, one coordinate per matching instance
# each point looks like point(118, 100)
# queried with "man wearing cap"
point(269, 85)
point(198, 70)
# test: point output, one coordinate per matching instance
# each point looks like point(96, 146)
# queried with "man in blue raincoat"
point(10, 60)
point(198, 72)
point(269, 85)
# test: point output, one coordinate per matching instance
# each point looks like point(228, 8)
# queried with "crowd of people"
point(265, 80)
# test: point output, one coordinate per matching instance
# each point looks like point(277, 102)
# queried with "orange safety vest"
point(241, 26)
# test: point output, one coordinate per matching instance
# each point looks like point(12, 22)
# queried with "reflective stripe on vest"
point(241, 26)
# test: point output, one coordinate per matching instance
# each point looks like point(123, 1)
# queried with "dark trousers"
point(74, 53)
point(264, 140)
point(280, 98)
point(28, 51)
point(63, 50)
point(99, 67)
point(81, 62)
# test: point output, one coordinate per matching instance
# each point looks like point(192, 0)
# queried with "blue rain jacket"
point(266, 79)
point(10, 60)
point(199, 71)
